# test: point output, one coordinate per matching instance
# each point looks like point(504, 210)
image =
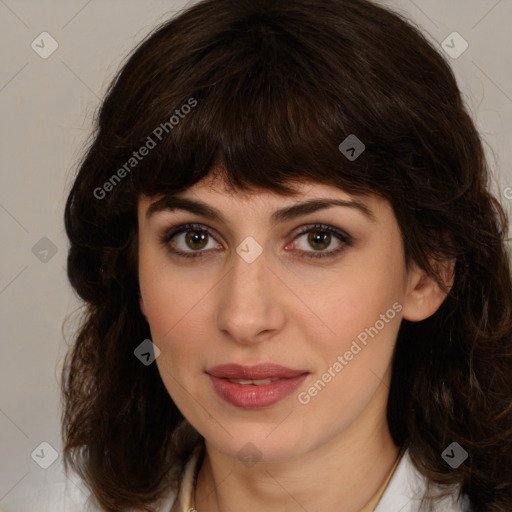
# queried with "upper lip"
point(255, 372)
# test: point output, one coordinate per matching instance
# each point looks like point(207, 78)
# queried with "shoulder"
point(408, 486)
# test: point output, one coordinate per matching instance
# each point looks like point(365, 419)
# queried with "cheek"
point(178, 312)
point(356, 297)
point(165, 294)
point(352, 360)
point(174, 312)
point(361, 307)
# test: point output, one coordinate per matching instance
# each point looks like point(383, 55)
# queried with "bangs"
point(264, 102)
point(275, 135)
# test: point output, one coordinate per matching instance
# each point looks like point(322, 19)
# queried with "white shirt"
point(406, 488)
point(403, 493)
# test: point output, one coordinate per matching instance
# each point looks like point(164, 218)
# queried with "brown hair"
point(277, 86)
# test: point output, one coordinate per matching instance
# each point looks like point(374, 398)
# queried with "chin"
point(260, 444)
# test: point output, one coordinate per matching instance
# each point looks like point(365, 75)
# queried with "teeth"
point(245, 382)
point(259, 382)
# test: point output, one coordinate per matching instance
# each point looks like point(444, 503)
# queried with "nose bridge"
point(250, 269)
point(248, 303)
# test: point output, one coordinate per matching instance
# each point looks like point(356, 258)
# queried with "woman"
point(297, 293)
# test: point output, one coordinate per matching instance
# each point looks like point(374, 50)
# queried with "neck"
point(342, 474)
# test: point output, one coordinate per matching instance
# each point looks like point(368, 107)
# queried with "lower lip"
point(252, 396)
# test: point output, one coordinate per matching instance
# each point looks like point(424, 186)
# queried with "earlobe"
point(424, 294)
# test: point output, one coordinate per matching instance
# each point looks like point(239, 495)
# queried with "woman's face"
point(316, 333)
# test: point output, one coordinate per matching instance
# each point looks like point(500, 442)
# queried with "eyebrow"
point(172, 202)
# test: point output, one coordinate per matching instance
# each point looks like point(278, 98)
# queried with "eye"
point(320, 237)
point(193, 240)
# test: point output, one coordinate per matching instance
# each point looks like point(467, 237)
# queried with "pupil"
point(318, 239)
point(196, 237)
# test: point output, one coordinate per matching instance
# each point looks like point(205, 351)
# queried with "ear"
point(142, 306)
point(424, 295)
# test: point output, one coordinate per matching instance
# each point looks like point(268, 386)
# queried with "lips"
point(255, 386)
point(256, 372)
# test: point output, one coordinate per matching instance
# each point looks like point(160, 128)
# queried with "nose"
point(250, 305)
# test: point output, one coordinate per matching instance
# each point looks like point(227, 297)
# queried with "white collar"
point(403, 493)
point(406, 488)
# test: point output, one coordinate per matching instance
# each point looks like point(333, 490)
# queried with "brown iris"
point(319, 239)
point(196, 239)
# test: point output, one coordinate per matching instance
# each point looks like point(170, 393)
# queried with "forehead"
point(215, 188)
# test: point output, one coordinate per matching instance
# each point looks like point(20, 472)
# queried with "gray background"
point(46, 113)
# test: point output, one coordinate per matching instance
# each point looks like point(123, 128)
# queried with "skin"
point(334, 452)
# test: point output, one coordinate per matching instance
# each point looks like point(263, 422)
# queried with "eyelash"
point(340, 235)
